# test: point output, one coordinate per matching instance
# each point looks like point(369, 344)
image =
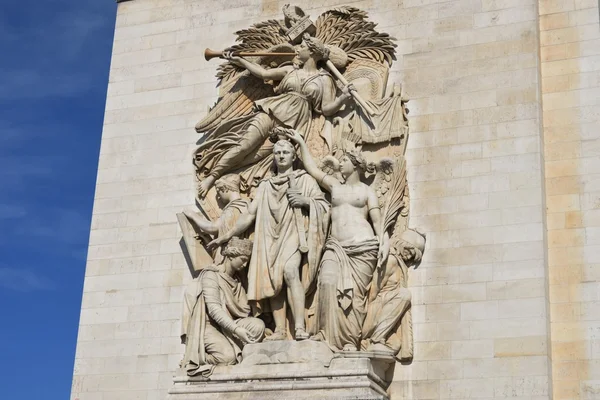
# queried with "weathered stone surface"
point(486, 185)
point(286, 352)
point(307, 370)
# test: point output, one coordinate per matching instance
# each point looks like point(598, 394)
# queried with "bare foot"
point(205, 186)
point(301, 334)
point(349, 347)
point(278, 335)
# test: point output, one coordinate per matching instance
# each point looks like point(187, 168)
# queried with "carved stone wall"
point(503, 118)
point(570, 49)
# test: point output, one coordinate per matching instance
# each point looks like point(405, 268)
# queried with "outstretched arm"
point(384, 238)
point(202, 223)
point(274, 74)
point(242, 224)
point(327, 182)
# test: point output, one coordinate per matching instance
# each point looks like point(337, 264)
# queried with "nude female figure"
point(352, 250)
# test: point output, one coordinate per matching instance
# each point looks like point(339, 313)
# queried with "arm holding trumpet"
point(273, 74)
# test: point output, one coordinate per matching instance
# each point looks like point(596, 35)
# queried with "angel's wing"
point(348, 28)
point(259, 37)
point(237, 100)
point(392, 190)
point(238, 88)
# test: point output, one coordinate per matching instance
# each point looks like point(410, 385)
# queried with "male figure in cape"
point(274, 269)
point(215, 324)
point(233, 205)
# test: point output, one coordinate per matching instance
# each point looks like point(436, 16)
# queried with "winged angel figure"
point(362, 218)
point(258, 94)
point(322, 86)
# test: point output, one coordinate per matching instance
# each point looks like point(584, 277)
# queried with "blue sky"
point(54, 72)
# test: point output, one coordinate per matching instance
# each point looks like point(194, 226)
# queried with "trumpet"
point(209, 54)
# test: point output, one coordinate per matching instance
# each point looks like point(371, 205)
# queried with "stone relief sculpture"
point(352, 250)
point(332, 265)
point(289, 84)
point(388, 323)
point(215, 323)
point(279, 232)
point(233, 205)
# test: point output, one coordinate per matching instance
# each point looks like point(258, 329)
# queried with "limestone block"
point(444, 369)
point(345, 376)
point(467, 388)
point(479, 310)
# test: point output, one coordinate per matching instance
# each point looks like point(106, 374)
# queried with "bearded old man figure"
point(288, 210)
point(215, 324)
point(351, 252)
point(388, 326)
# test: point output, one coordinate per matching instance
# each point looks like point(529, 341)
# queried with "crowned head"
point(238, 252)
point(311, 47)
point(284, 154)
point(354, 160)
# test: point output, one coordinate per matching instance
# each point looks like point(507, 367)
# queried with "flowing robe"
point(214, 305)
point(389, 317)
point(276, 237)
point(292, 107)
point(344, 280)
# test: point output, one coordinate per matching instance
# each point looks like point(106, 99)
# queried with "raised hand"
point(228, 55)
point(293, 135)
point(347, 91)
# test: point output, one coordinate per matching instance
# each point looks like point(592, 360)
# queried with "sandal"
point(301, 334)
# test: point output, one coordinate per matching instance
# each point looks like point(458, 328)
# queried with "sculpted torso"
point(293, 81)
point(349, 213)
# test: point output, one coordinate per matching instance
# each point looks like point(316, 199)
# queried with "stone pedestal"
point(292, 370)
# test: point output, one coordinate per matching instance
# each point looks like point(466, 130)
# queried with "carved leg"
point(251, 140)
point(218, 349)
point(278, 305)
point(297, 300)
point(255, 326)
point(391, 313)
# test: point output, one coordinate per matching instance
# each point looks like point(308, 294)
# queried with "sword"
point(299, 219)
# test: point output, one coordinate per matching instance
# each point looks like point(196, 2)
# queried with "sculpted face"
point(303, 52)
point(222, 194)
point(346, 166)
point(284, 155)
point(238, 263)
point(406, 251)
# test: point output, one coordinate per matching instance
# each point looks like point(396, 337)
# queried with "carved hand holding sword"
point(298, 217)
